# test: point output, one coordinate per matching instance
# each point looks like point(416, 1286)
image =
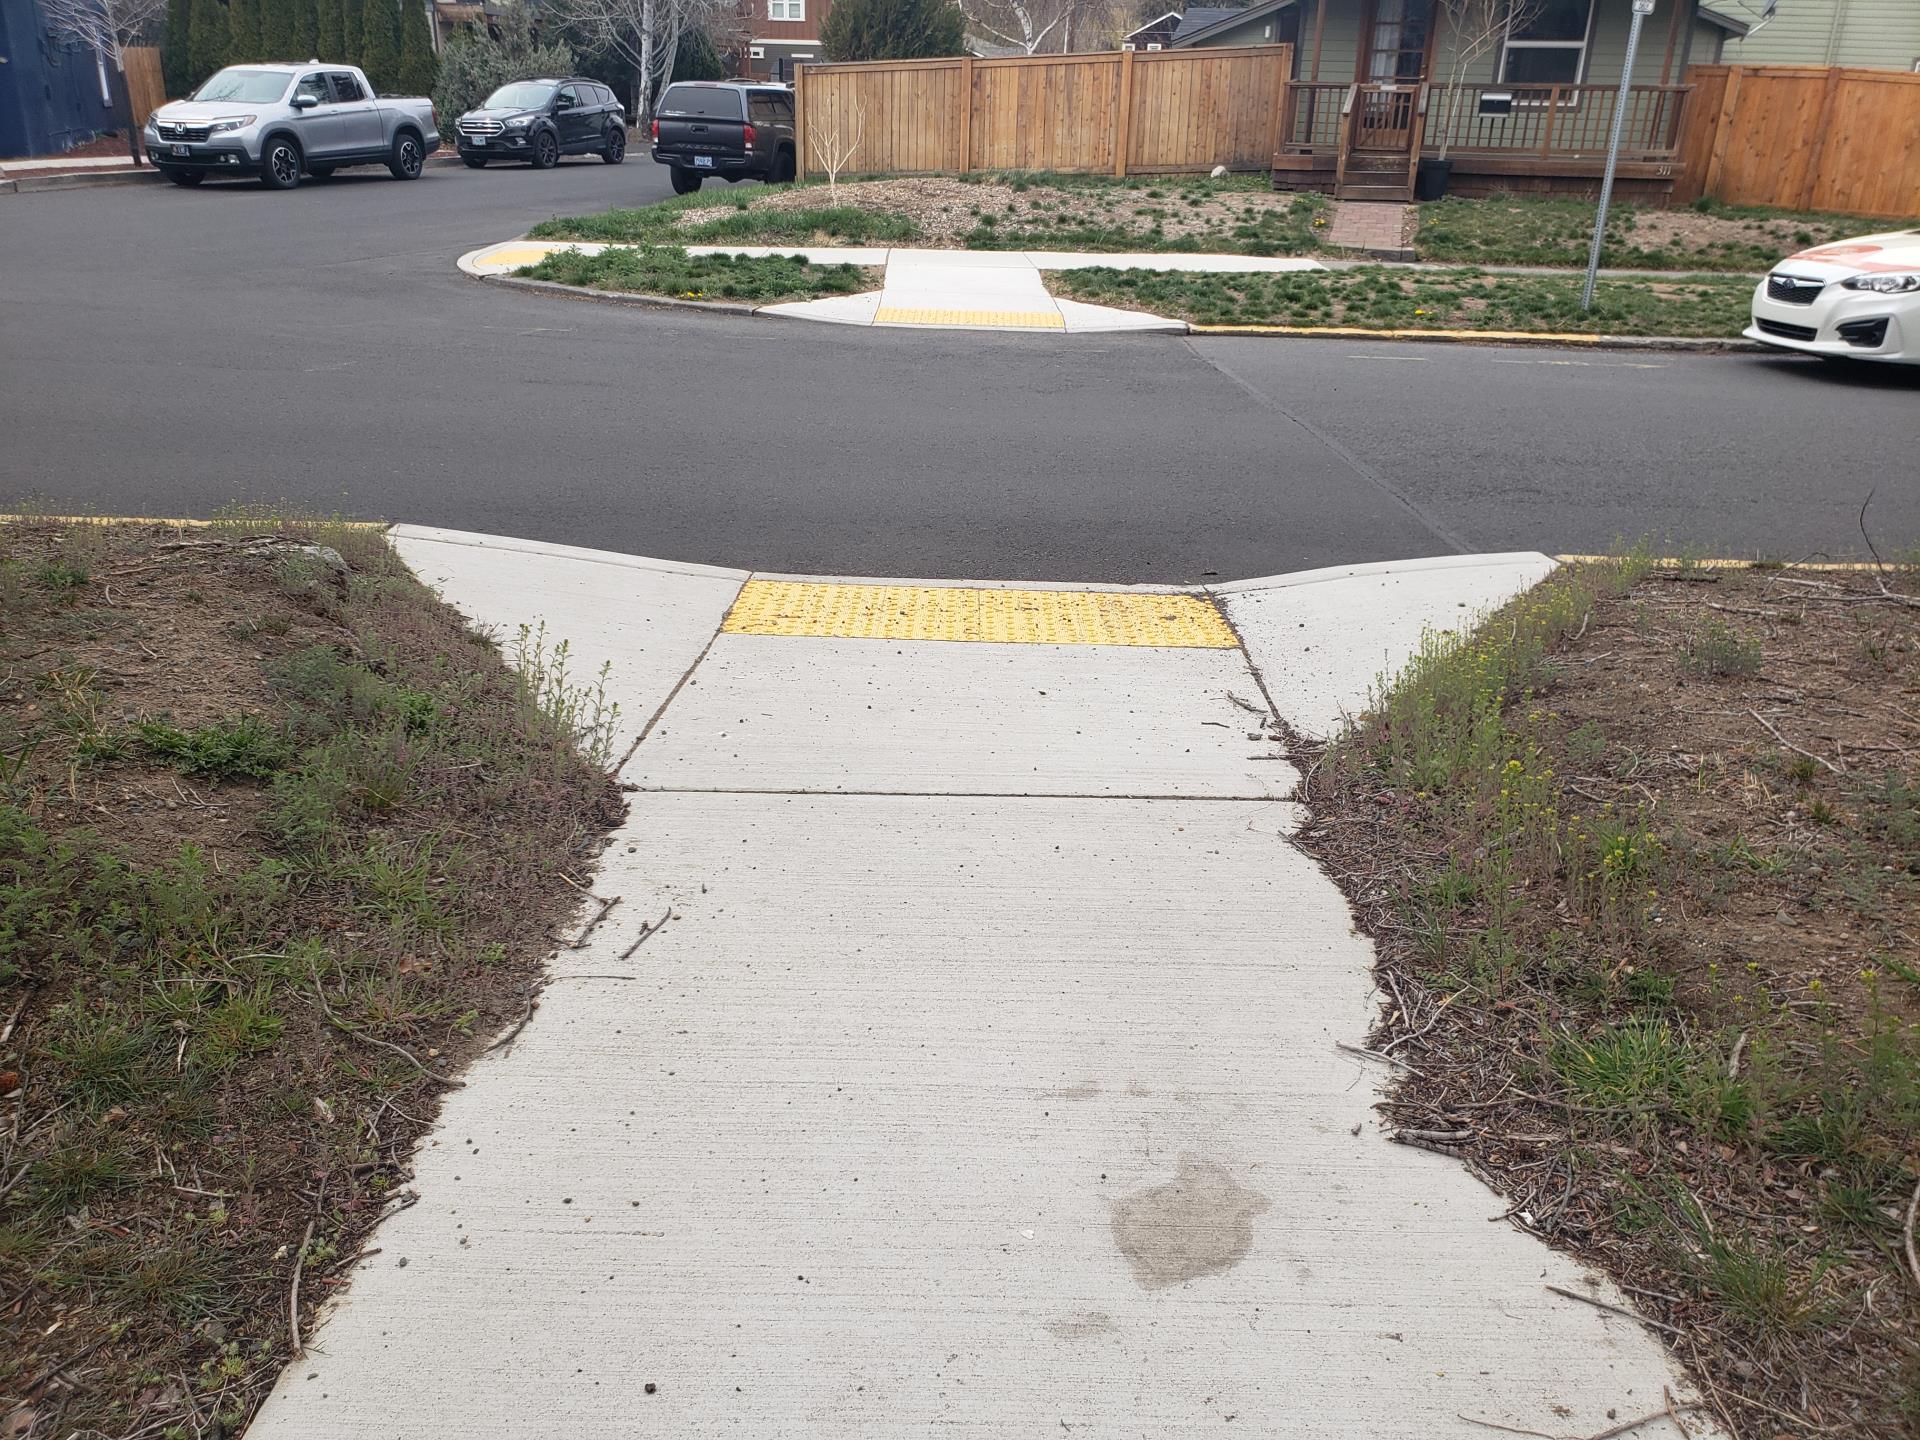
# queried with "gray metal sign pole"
point(1641, 9)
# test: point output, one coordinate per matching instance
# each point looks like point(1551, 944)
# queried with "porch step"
point(1395, 193)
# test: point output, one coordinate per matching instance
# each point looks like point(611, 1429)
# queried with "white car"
point(1853, 299)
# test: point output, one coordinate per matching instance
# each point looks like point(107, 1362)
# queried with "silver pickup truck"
point(276, 121)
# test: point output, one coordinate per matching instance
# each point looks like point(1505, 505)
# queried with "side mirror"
point(563, 103)
point(305, 102)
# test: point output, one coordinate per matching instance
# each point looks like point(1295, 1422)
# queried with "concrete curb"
point(616, 297)
point(1487, 337)
point(28, 184)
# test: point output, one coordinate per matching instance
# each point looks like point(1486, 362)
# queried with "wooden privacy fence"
point(1805, 138)
point(1153, 112)
point(146, 85)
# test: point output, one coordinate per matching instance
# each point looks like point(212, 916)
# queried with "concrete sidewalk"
point(984, 1080)
point(940, 289)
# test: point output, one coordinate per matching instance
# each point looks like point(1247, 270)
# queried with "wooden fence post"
point(966, 114)
point(1722, 131)
point(1123, 119)
point(799, 127)
point(1282, 102)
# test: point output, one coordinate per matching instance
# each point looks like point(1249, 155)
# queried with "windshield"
point(521, 95)
point(249, 87)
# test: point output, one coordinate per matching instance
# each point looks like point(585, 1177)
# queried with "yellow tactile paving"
point(518, 255)
point(1015, 617)
point(919, 315)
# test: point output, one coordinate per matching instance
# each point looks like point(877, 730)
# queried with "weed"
point(581, 712)
point(1643, 1064)
point(1757, 1285)
point(242, 748)
point(1718, 650)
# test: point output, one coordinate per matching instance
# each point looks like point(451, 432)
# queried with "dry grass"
point(279, 839)
point(1641, 859)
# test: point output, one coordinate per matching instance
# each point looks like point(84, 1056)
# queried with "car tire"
point(783, 169)
point(320, 172)
point(616, 147)
point(546, 151)
point(408, 158)
point(685, 182)
point(280, 163)
point(188, 178)
point(474, 162)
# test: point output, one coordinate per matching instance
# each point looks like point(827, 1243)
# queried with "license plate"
point(183, 150)
point(477, 142)
point(703, 162)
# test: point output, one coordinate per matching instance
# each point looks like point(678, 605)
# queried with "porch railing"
point(1545, 122)
point(1555, 121)
point(1313, 113)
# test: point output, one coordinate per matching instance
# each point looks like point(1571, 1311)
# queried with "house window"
point(1153, 45)
point(1128, 45)
point(1551, 48)
point(755, 52)
point(786, 9)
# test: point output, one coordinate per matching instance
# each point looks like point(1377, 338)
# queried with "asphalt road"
point(166, 352)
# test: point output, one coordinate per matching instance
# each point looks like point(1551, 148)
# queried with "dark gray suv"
point(538, 121)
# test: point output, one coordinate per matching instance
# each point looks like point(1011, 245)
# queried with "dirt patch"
point(1641, 861)
point(281, 844)
point(954, 213)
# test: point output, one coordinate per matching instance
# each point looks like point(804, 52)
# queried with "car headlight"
point(238, 122)
point(1884, 284)
point(519, 124)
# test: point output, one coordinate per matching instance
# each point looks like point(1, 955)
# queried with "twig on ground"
point(1733, 1060)
point(347, 1027)
point(1510, 1429)
point(533, 1004)
point(580, 940)
point(1628, 1426)
point(1614, 1309)
point(1817, 759)
point(293, 1294)
point(1673, 1414)
point(647, 932)
point(1379, 1055)
point(1433, 1134)
point(1252, 709)
point(1906, 1235)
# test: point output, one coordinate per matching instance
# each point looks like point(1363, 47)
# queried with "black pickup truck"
point(733, 131)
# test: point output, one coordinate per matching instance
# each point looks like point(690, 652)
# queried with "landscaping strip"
point(1554, 231)
point(667, 270)
point(283, 844)
point(1640, 855)
point(1382, 298)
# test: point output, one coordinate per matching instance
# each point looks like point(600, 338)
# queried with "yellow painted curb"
point(1012, 617)
point(1017, 319)
point(1361, 332)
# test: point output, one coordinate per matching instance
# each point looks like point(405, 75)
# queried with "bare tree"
point(1033, 26)
point(833, 136)
point(1475, 27)
point(107, 27)
point(644, 33)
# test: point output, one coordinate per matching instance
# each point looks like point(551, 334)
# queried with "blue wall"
point(49, 92)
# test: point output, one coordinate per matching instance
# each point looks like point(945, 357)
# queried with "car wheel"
point(188, 178)
point(280, 165)
point(616, 150)
point(407, 157)
point(474, 162)
point(546, 151)
point(320, 172)
point(782, 169)
point(685, 182)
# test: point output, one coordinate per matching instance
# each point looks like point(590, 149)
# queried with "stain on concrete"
point(1199, 1223)
point(1083, 1326)
point(1084, 1091)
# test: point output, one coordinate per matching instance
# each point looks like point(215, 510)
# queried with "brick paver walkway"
point(1367, 225)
